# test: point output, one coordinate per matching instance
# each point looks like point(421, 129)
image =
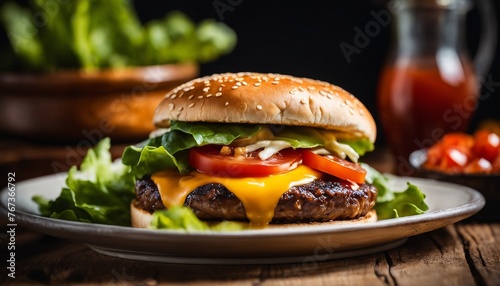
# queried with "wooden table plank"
point(461, 254)
point(437, 256)
point(466, 253)
point(482, 250)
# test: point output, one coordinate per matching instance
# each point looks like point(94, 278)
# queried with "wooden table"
point(465, 253)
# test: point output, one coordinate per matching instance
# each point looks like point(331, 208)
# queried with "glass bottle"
point(429, 84)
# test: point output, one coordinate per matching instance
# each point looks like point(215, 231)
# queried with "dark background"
point(302, 38)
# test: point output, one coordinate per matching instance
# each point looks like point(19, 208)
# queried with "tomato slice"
point(480, 165)
point(456, 139)
point(334, 166)
point(486, 145)
point(207, 159)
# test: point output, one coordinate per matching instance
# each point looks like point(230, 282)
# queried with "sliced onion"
point(343, 150)
point(271, 147)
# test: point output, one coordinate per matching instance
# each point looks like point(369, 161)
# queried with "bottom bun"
point(142, 219)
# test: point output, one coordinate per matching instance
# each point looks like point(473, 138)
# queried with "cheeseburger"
point(261, 148)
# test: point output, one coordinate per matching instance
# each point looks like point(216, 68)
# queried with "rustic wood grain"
point(482, 251)
point(437, 256)
point(466, 253)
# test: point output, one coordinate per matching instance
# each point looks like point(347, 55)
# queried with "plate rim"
point(152, 257)
point(305, 241)
point(475, 203)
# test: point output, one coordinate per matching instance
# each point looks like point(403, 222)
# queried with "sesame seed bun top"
point(258, 98)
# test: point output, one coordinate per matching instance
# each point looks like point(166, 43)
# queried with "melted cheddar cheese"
point(259, 195)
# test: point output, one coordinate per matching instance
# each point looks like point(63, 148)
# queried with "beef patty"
point(321, 200)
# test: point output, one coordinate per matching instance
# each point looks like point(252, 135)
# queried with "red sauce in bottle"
point(419, 104)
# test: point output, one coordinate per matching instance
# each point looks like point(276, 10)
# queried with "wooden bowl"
point(69, 106)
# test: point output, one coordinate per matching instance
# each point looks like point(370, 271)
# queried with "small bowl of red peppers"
point(461, 153)
point(472, 160)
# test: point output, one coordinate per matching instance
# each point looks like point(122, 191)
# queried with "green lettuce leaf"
point(150, 159)
point(105, 33)
point(214, 38)
point(100, 192)
point(183, 218)
point(215, 133)
point(394, 204)
point(22, 34)
point(299, 137)
point(361, 146)
point(305, 137)
point(169, 150)
point(406, 203)
point(93, 34)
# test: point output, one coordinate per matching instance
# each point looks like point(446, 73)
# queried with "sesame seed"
point(171, 106)
point(206, 89)
point(329, 96)
point(361, 112)
point(191, 96)
point(276, 78)
point(259, 107)
point(200, 97)
point(191, 105)
point(238, 83)
point(275, 82)
point(234, 87)
point(218, 94)
point(181, 108)
point(226, 104)
point(342, 104)
point(322, 92)
point(209, 95)
point(244, 82)
point(311, 88)
point(351, 111)
point(294, 90)
point(173, 96)
point(257, 84)
point(303, 101)
point(301, 88)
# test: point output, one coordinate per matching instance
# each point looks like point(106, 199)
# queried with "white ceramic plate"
point(448, 203)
